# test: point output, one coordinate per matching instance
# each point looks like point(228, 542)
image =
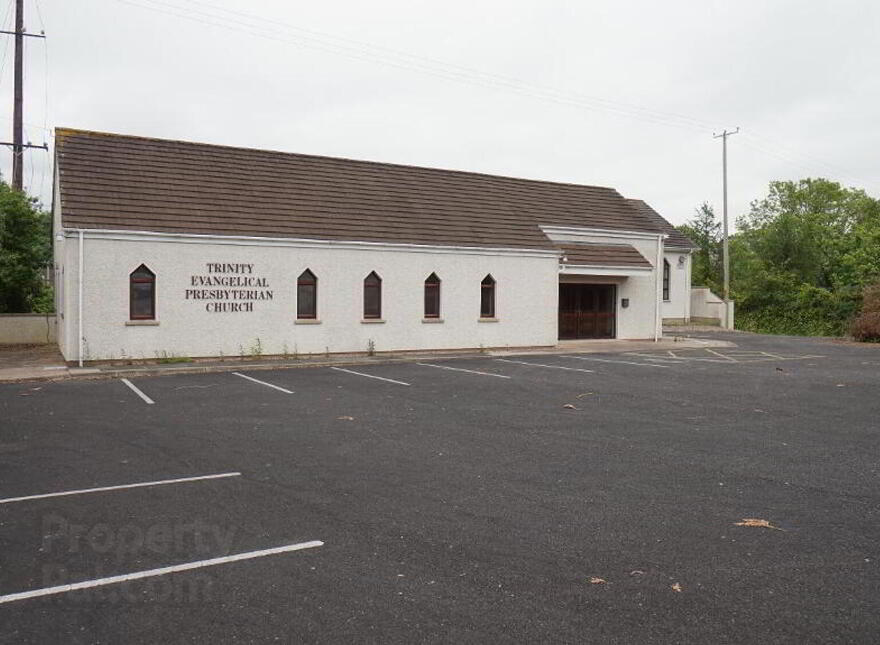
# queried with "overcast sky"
point(621, 94)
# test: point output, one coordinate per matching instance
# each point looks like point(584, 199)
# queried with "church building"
point(178, 249)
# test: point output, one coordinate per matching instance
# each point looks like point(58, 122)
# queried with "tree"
point(704, 230)
point(820, 232)
point(25, 249)
point(803, 255)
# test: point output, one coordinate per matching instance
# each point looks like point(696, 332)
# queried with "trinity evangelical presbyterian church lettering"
point(238, 294)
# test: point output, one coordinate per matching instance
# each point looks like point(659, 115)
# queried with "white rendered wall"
point(67, 257)
point(679, 303)
point(526, 300)
point(60, 265)
point(706, 305)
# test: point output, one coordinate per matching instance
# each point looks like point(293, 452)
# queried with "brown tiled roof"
point(676, 239)
point(611, 255)
point(123, 182)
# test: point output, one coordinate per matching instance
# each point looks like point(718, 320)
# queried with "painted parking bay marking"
point(150, 573)
point(554, 367)
point(378, 378)
point(134, 389)
point(101, 489)
point(461, 369)
point(608, 360)
point(255, 380)
point(713, 356)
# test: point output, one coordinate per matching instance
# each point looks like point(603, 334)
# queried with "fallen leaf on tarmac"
point(569, 406)
point(597, 581)
point(345, 418)
point(676, 588)
point(752, 521)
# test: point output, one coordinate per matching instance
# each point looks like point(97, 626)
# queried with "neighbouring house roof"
point(111, 181)
point(605, 255)
point(676, 239)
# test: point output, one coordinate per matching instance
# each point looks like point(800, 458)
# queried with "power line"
point(791, 152)
point(425, 66)
point(6, 41)
point(433, 61)
point(209, 14)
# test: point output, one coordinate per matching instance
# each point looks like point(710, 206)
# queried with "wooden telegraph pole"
point(18, 144)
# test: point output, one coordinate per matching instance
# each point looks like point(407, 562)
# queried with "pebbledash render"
point(177, 249)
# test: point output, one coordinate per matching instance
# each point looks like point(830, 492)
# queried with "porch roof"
point(603, 255)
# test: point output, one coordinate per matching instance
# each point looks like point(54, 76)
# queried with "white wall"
point(708, 306)
point(526, 299)
point(679, 304)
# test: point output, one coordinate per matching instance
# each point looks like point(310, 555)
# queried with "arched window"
point(487, 297)
point(142, 294)
point(432, 296)
point(307, 295)
point(373, 296)
point(665, 279)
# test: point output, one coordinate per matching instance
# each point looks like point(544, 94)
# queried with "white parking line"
point(555, 367)
point(146, 399)
point(742, 356)
point(81, 491)
point(608, 360)
point(150, 573)
point(712, 351)
point(378, 378)
point(777, 359)
point(654, 357)
point(461, 369)
point(274, 387)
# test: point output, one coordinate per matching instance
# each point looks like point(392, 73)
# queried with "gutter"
point(658, 286)
point(250, 240)
point(79, 303)
point(597, 232)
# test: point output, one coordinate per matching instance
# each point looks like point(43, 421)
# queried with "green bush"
point(25, 250)
point(799, 310)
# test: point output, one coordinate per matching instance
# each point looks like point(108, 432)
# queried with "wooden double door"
point(587, 311)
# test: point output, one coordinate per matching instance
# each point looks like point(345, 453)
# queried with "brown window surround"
point(307, 296)
point(665, 279)
point(142, 294)
point(432, 296)
point(487, 297)
point(372, 297)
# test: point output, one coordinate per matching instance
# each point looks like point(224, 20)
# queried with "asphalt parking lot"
point(598, 498)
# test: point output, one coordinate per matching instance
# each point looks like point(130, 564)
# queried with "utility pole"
point(18, 144)
point(18, 107)
point(725, 245)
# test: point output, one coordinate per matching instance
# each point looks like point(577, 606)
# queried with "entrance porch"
point(587, 311)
